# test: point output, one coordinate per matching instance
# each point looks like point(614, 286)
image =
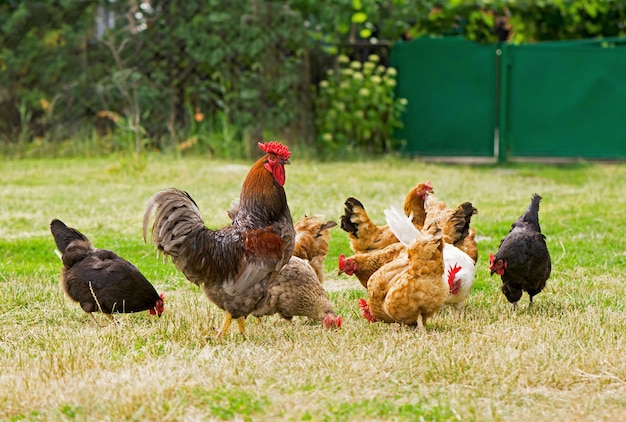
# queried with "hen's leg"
point(116, 321)
point(420, 323)
point(93, 318)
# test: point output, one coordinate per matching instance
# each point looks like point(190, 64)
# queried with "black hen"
point(100, 280)
point(522, 260)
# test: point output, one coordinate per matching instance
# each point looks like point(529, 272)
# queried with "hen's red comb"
point(275, 148)
point(452, 271)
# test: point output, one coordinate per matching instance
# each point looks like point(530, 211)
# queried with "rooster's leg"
point(227, 318)
point(241, 323)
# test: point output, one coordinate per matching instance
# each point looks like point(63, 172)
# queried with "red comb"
point(275, 148)
point(452, 271)
point(492, 259)
point(367, 314)
point(363, 304)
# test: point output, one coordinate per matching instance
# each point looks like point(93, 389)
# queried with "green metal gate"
point(450, 87)
point(553, 99)
point(564, 99)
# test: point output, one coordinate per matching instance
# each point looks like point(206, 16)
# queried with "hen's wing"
point(457, 229)
point(296, 291)
point(368, 263)
point(103, 280)
point(312, 241)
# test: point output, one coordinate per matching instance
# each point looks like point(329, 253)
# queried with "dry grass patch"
point(562, 359)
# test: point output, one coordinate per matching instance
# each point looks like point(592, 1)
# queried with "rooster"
point(460, 267)
point(365, 236)
point(411, 289)
point(523, 261)
point(297, 291)
point(100, 280)
point(236, 263)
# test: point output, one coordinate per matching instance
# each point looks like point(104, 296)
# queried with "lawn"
point(564, 358)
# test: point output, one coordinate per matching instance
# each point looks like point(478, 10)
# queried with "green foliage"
point(246, 65)
point(490, 21)
point(236, 58)
point(43, 68)
point(356, 107)
point(333, 24)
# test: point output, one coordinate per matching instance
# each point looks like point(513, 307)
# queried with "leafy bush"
point(356, 107)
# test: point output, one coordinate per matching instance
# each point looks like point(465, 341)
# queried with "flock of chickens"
point(263, 264)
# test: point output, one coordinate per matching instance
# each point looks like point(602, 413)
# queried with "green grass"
point(562, 359)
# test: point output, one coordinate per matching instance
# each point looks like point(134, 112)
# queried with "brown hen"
point(411, 289)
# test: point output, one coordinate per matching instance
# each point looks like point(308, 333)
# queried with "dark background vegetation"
point(215, 76)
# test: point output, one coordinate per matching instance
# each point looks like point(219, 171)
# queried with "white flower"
point(364, 92)
point(391, 71)
point(327, 137)
point(373, 58)
point(324, 84)
point(355, 65)
point(358, 76)
point(390, 82)
point(376, 79)
point(342, 58)
point(403, 101)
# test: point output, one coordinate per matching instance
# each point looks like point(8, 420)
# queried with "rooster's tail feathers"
point(175, 215)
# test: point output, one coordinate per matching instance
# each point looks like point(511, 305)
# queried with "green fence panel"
point(565, 99)
point(450, 86)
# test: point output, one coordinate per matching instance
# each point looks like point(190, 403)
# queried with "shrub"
point(356, 107)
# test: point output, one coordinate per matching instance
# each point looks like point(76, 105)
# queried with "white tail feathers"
point(401, 225)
